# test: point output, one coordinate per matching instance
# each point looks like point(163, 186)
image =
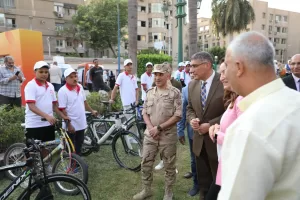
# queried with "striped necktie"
point(299, 85)
point(203, 95)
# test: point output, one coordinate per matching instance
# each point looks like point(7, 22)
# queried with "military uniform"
point(160, 105)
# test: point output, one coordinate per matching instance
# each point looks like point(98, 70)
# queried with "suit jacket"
point(183, 122)
point(212, 113)
point(290, 82)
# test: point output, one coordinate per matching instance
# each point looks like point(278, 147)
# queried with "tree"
point(217, 51)
point(229, 16)
point(193, 30)
point(132, 33)
point(97, 24)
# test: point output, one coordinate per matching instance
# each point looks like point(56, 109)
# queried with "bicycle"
point(121, 138)
point(40, 184)
point(67, 162)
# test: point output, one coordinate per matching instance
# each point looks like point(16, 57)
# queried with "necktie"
point(203, 95)
point(299, 85)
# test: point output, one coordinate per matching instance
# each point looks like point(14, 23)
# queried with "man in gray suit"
point(205, 108)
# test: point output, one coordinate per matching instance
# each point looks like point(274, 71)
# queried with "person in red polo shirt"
point(72, 102)
point(40, 101)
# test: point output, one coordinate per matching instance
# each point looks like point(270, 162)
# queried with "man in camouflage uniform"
point(162, 110)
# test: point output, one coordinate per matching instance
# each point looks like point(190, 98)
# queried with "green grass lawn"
point(107, 181)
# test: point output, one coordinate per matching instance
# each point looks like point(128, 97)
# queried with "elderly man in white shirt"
point(55, 76)
point(261, 152)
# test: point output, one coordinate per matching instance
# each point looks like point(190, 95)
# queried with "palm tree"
point(193, 30)
point(229, 16)
point(132, 32)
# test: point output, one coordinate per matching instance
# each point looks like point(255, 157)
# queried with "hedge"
point(154, 58)
point(94, 100)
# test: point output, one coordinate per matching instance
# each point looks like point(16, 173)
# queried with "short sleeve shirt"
point(72, 100)
point(128, 86)
point(43, 96)
point(97, 76)
point(148, 81)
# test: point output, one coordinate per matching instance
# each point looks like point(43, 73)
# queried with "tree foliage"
point(97, 23)
point(229, 16)
point(217, 51)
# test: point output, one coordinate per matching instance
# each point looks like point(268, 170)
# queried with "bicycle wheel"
point(138, 128)
point(13, 155)
point(89, 144)
point(74, 166)
point(127, 150)
point(37, 191)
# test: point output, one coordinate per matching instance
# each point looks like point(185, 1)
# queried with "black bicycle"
point(40, 185)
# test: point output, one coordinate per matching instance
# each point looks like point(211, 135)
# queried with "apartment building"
point(46, 16)
point(280, 26)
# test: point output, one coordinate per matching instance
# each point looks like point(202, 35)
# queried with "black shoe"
point(188, 175)
point(194, 191)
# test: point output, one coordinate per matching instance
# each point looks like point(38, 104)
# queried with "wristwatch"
point(159, 128)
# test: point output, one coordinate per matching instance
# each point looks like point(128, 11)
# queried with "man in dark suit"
point(205, 108)
point(293, 80)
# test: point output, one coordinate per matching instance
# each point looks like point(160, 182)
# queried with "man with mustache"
point(72, 102)
point(293, 80)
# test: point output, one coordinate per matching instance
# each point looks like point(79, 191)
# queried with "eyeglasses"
point(197, 65)
point(297, 63)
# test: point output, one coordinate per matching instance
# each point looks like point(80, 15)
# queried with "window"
point(277, 52)
point(200, 37)
point(278, 29)
point(283, 41)
point(278, 18)
point(2, 19)
point(206, 28)
point(10, 22)
point(264, 15)
point(142, 8)
point(157, 22)
point(284, 30)
point(150, 37)
point(270, 28)
point(141, 38)
point(142, 23)
point(70, 11)
point(69, 43)
point(271, 16)
point(156, 7)
point(59, 26)
point(7, 3)
point(206, 46)
point(277, 40)
point(201, 28)
point(59, 7)
point(262, 27)
point(60, 43)
point(157, 37)
point(285, 18)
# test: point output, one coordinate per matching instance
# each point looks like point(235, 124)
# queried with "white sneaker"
point(159, 166)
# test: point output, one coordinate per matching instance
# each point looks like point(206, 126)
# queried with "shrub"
point(94, 100)
point(154, 58)
point(10, 126)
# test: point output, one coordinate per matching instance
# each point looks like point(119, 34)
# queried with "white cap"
point(187, 63)
point(127, 61)
point(149, 63)
point(181, 64)
point(68, 72)
point(40, 64)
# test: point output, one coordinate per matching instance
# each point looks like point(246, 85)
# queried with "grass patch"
point(107, 181)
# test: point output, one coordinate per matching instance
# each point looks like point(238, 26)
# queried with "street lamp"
point(119, 40)
point(49, 46)
point(180, 15)
point(165, 9)
point(216, 63)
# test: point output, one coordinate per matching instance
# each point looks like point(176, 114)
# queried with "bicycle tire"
point(81, 163)
point(87, 149)
point(59, 178)
point(11, 174)
point(141, 127)
point(138, 153)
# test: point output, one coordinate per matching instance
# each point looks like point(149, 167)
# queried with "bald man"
point(261, 154)
point(293, 80)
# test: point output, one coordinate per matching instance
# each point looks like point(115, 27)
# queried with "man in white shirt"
point(40, 101)
point(147, 80)
point(72, 102)
point(293, 81)
point(89, 81)
point(128, 87)
point(55, 76)
point(185, 77)
point(261, 152)
point(177, 74)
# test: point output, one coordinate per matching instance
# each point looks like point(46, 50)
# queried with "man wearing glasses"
point(293, 81)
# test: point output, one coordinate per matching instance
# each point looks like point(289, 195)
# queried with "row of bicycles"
point(49, 170)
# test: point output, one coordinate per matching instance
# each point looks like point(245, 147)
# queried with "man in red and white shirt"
point(72, 102)
point(40, 102)
point(185, 75)
point(128, 86)
point(147, 80)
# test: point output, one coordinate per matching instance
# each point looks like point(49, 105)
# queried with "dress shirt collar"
point(295, 78)
point(260, 93)
point(210, 79)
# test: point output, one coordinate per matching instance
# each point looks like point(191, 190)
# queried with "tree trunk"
point(132, 33)
point(193, 30)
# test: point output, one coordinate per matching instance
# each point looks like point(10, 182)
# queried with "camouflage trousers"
point(168, 153)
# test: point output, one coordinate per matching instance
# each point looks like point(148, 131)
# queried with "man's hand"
point(71, 129)
point(51, 119)
point(137, 102)
point(195, 124)
point(94, 113)
point(154, 132)
point(213, 130)
point(204, 128)
point(20, 77)
point(14, 77)
point(66, 118)
point(182, 140)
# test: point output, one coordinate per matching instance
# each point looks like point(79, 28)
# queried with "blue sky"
point(292, 5)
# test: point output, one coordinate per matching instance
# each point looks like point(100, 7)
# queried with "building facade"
point(47, 16)
point(280, 26)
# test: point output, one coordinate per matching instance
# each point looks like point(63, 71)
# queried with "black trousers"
point(213, 192)
point(77, 139)
point(11, 101)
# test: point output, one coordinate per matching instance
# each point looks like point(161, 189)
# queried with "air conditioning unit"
point(60, 15)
